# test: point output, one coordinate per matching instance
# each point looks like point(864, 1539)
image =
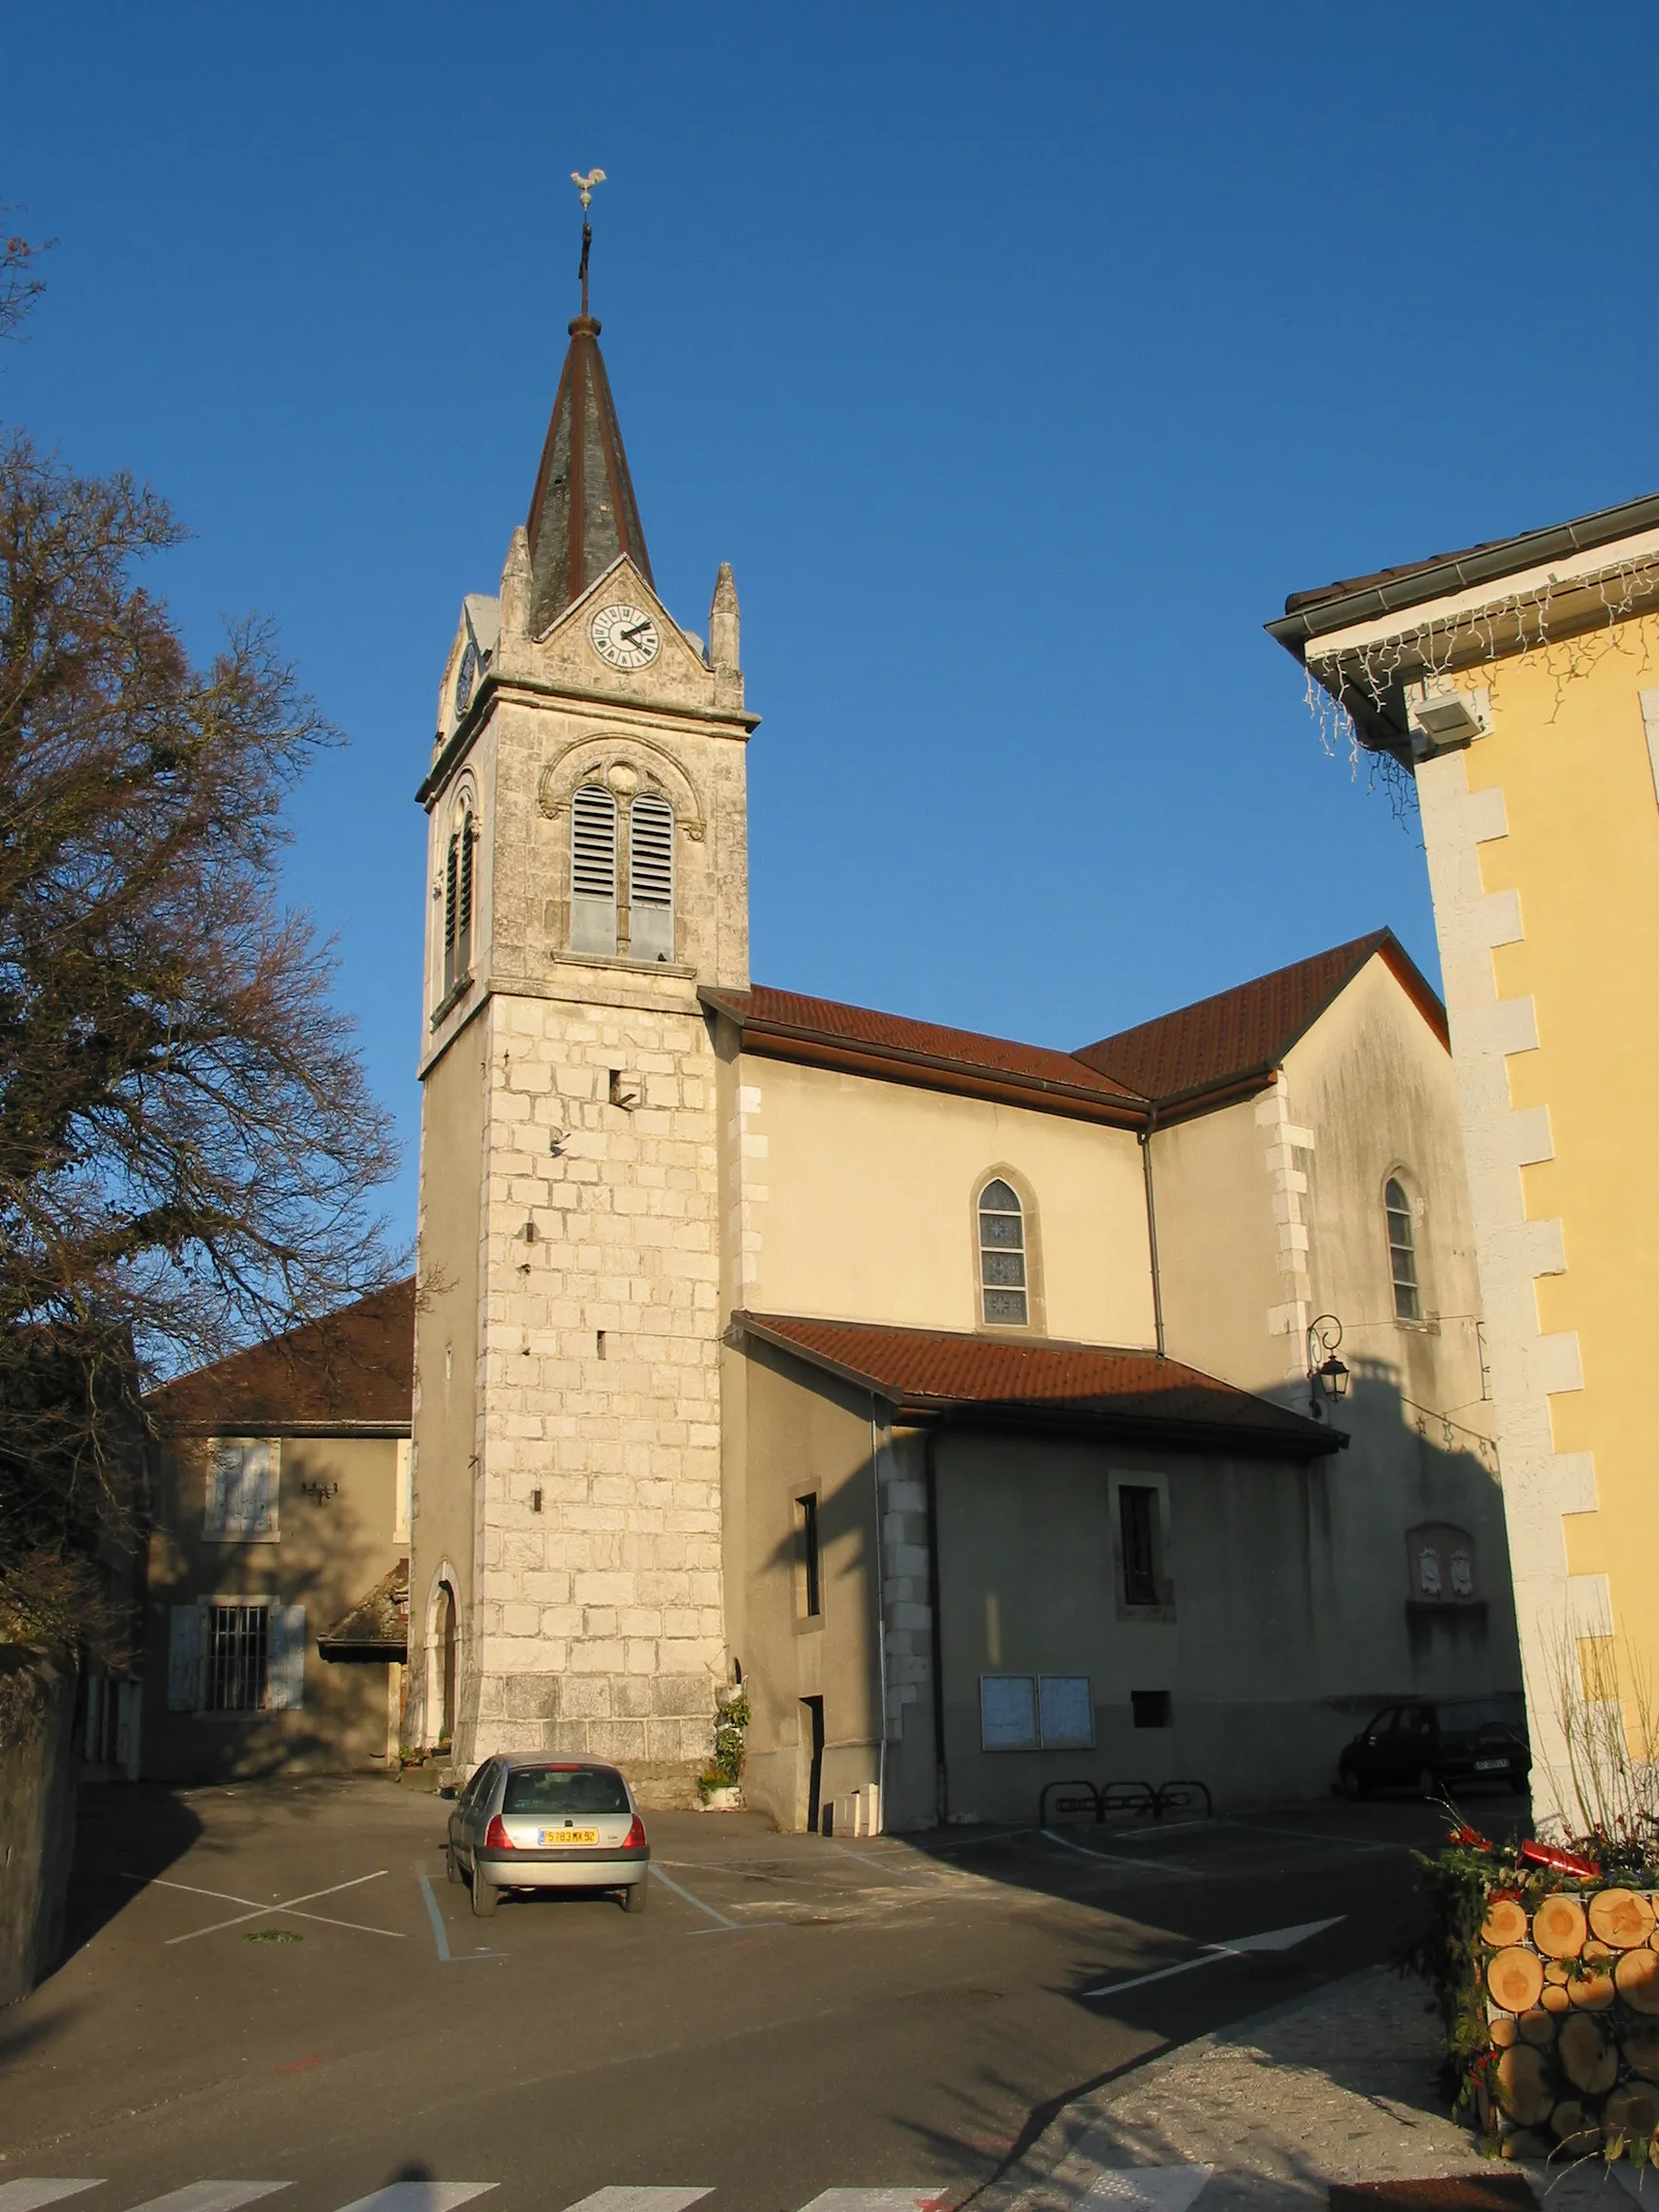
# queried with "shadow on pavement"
point(124, 1829)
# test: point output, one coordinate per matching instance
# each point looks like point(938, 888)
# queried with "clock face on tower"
point(624, 636)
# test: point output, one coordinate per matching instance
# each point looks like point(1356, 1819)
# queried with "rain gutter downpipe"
point(880, 1622)
point(1151, 1228)
point(941, 1774)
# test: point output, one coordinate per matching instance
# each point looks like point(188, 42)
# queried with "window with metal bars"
point(593, 870)
point(650, 878)
point(1136, 1511)
point(1402, 1252)
point(236, 1674)
point(1002, 1256)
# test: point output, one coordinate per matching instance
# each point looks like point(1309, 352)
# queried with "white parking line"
point(690, 1899)
point(31, 2195)
point(888, 1867)
point(289, 1906)
point(875, 2200)
point(641, 2200)
point(440, 1934)
point(1177, 1868)
point(420, 2197)
point(213, 2196)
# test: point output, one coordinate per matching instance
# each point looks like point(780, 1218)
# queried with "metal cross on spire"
point(584, 185)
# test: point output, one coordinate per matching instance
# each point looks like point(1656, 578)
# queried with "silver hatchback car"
point(537, 1824)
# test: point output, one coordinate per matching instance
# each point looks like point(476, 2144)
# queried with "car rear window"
point(565, 1790)
point(1471, 1714)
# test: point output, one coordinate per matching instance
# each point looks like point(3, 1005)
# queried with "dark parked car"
point(1434, 1748)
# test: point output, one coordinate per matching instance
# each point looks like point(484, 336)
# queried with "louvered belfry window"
point(457, 900)
point(1402, 1252)
point(1002, 1257)
point(593, 870)
point(650, 879)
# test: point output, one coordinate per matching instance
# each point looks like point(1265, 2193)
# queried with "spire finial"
point(584, 185)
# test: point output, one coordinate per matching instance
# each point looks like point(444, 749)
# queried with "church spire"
point(582, 513)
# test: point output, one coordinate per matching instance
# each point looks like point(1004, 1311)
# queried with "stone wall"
point(37, 1814)
point(600, 1586)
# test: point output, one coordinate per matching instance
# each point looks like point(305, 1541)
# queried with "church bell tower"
point(587, 873)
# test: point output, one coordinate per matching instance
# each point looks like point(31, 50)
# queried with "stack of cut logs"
point(1574, 2011)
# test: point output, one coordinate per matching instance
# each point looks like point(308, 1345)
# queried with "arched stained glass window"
point(1402, 1251)
point(1003, 1286)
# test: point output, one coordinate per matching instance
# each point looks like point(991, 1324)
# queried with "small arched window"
point(1002, 1257)
point(1402, 1251)
point(458, 876)
point(650, 878)
point(593, 870)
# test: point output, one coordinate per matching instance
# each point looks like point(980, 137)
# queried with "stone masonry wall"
point(601, 1625)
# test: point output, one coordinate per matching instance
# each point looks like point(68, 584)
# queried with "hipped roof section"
point(351, 1371)
point(1201, 1056)
point(823, 1032)
point(1235, 1039)
point(937, 1374)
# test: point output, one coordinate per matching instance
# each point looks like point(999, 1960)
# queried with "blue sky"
point(1020, 358)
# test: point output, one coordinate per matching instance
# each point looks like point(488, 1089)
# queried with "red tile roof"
point(785, 1016)
point(352, 1368)
point(924, 1372)
point(1243, 1033)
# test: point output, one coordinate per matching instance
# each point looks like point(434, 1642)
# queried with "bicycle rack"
point(1121, 1797)
point(1177, 1796)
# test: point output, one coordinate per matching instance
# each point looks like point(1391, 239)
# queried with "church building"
point(988, 1414)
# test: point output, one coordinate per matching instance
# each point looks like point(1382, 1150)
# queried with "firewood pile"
point(1548, 1976)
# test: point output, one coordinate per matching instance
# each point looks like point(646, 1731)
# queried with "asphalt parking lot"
point(275, 1981)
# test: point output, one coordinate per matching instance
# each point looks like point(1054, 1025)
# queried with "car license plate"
point(570, 1835)
point(1490, 1767)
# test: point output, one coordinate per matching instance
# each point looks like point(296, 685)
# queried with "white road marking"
point(639, 2199)
point(30, 2195)
point(1242, 1947)
point(690, 1899)
point(877, 2199)
point(1148, 2188)
point(213, 2196)
point(289, 1906)
point(420, 2197)
point(887, 1866)
point(439, 1933)
point(1174, 1866)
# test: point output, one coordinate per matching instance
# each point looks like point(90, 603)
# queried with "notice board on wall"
point(1008, 1712)
point(1065, 1712)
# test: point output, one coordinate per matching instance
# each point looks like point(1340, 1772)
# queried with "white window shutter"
point(593, 870)
point(259, 1489)
point(650, 879)
point(184, 1658)
point(285, 1660)
point(224, 1473)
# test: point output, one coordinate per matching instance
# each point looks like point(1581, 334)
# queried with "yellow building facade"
point(1519, 685)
